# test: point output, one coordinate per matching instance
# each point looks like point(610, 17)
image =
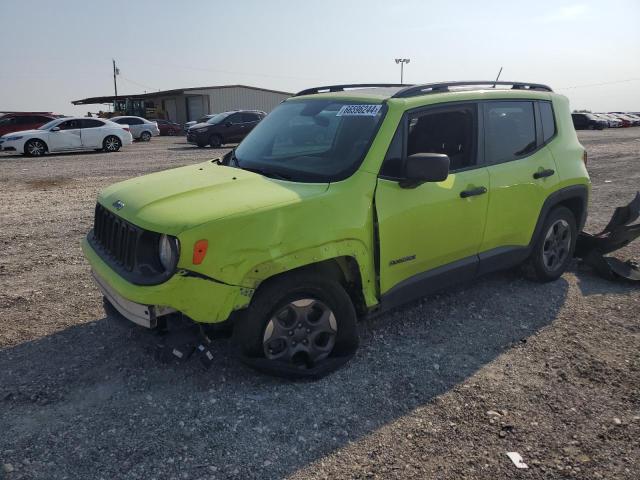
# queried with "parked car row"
point(38, 133)
point(68, 134)
point(599, 121)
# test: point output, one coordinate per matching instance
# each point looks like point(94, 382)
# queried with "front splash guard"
point(618, 233)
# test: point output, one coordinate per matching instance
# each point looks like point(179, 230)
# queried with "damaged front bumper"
point(618, 233)
point(201, 299)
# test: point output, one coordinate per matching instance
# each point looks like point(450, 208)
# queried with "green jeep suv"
point(344, 201)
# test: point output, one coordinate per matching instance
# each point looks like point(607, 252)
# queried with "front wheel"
point(35, 148)
point(298, 326)
point(111, 144)
point(145, 136)
point(554, 247)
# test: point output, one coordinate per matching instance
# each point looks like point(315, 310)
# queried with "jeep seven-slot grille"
point(117, 237)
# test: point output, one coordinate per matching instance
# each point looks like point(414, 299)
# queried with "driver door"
point(234, 128)
point(67, 138)
point(430, 235)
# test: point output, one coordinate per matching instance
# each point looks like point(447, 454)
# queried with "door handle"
point(544, 173)
point(473, 192)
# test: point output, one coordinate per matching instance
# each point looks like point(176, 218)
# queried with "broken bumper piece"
point(619, 232)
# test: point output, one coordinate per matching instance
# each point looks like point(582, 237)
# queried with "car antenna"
point(497, 78)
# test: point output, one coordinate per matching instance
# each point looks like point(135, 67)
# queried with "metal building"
point(185, 104)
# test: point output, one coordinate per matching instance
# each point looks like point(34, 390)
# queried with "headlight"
point(10, 139)
point(168, 251)
point(200, 130)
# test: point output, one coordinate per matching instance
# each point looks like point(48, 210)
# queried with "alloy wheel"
point(302, 332)
point(112, 144)
point(557, 245)
point(36, 148)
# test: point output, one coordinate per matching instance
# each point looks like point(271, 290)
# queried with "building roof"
point(163, 93)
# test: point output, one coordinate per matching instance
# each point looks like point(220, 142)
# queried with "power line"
point(599, 84)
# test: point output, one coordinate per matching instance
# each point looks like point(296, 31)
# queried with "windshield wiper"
point(267, 173)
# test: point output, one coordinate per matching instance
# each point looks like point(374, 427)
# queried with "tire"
point(111, 144)
point(553, 251)
point(300, 325)
point(171, 132)
point(35, 148)
point(215, 141)
point(145, 136)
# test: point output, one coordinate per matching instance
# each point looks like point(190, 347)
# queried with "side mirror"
point(425, 167)
point(55, 129)
point(227, 124)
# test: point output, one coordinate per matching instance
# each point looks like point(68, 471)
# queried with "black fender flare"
point(573, 192)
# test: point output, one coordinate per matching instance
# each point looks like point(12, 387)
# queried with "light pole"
point(402, 61)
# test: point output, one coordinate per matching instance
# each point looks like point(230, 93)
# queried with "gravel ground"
point(440, 389)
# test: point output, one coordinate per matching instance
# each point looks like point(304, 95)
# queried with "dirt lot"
point(439, 389)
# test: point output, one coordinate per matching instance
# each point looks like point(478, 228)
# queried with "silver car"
point(141, 129)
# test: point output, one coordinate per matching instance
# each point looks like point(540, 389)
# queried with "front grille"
point(117, 237)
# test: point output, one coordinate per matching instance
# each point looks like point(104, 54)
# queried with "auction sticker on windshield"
point(359, 111)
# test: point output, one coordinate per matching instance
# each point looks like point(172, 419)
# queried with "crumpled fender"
point(618, 233)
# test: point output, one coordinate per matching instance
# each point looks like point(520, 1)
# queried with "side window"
point(70, 125)
point(134, 121)
point(121, 121)
point(510, 130)
point(392, 165)
point(249, 117)
point(90, 123)
point(235, 118)
point(450, 130)
point(548, 121)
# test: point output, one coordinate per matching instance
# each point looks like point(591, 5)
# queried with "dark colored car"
point(168, 127)
point(17, 122)
point(226, 127)
point(587, 121)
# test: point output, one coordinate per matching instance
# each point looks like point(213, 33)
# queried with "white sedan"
point(67, 134)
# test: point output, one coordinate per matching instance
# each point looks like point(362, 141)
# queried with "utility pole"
point(402, 61)
point(116, 71)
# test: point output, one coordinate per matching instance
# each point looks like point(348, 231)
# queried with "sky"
point(55, 52)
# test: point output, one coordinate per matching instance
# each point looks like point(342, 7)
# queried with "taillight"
point(126, 128)
point(584, 157)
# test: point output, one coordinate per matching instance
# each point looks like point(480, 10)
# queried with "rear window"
point(510, 130)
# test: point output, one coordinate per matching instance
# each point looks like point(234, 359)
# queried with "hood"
point(22, 132)
point(175, 200)
point(199, 125)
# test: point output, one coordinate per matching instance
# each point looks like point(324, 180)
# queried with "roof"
point(164, 93)
point(381, 92)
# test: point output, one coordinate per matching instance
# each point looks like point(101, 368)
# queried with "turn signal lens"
point(200, 251)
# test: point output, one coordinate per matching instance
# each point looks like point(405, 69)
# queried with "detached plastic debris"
point(517, 460)
point(617, 234)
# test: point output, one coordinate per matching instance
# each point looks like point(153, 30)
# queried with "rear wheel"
point(111, 144)
point(554, 248)
point(35, 148)
point(215, 141)
point(145, 136)
point(297, 325)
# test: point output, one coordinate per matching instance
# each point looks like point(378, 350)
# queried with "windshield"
point(50, 124)
point(311, 140)
point(217, 118)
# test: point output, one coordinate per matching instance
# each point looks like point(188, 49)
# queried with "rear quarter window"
point(548, 121)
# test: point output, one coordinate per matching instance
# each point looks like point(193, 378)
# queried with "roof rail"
point(415, 90)
point(342, 88)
